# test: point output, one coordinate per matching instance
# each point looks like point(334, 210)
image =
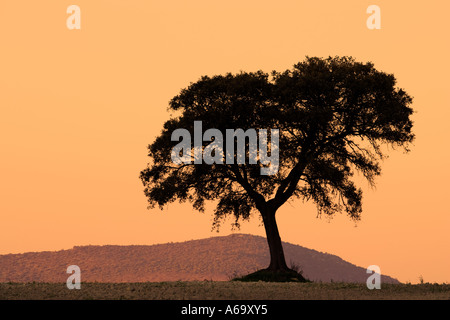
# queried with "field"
point(222, 290)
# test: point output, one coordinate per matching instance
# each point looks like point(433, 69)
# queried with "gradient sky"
point(79, 107)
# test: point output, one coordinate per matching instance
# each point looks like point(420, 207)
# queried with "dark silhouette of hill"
point(216, 258)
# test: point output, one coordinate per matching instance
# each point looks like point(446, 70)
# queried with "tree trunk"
point(277, 260)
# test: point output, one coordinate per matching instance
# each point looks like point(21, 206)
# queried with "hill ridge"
point(214, 258)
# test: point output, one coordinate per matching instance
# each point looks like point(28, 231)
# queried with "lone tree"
point(334, 117)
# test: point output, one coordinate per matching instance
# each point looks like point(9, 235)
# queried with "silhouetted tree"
point(334, 115)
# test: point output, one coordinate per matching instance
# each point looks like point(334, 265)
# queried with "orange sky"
point(79, 107)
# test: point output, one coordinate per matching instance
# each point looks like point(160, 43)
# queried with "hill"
point(216, 258)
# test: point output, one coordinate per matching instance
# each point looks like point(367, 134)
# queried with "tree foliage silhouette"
point(335, 117)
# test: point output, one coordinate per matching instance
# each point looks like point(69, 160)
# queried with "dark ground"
point(223, 290)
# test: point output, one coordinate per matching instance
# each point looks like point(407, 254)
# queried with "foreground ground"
point(218, 290)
